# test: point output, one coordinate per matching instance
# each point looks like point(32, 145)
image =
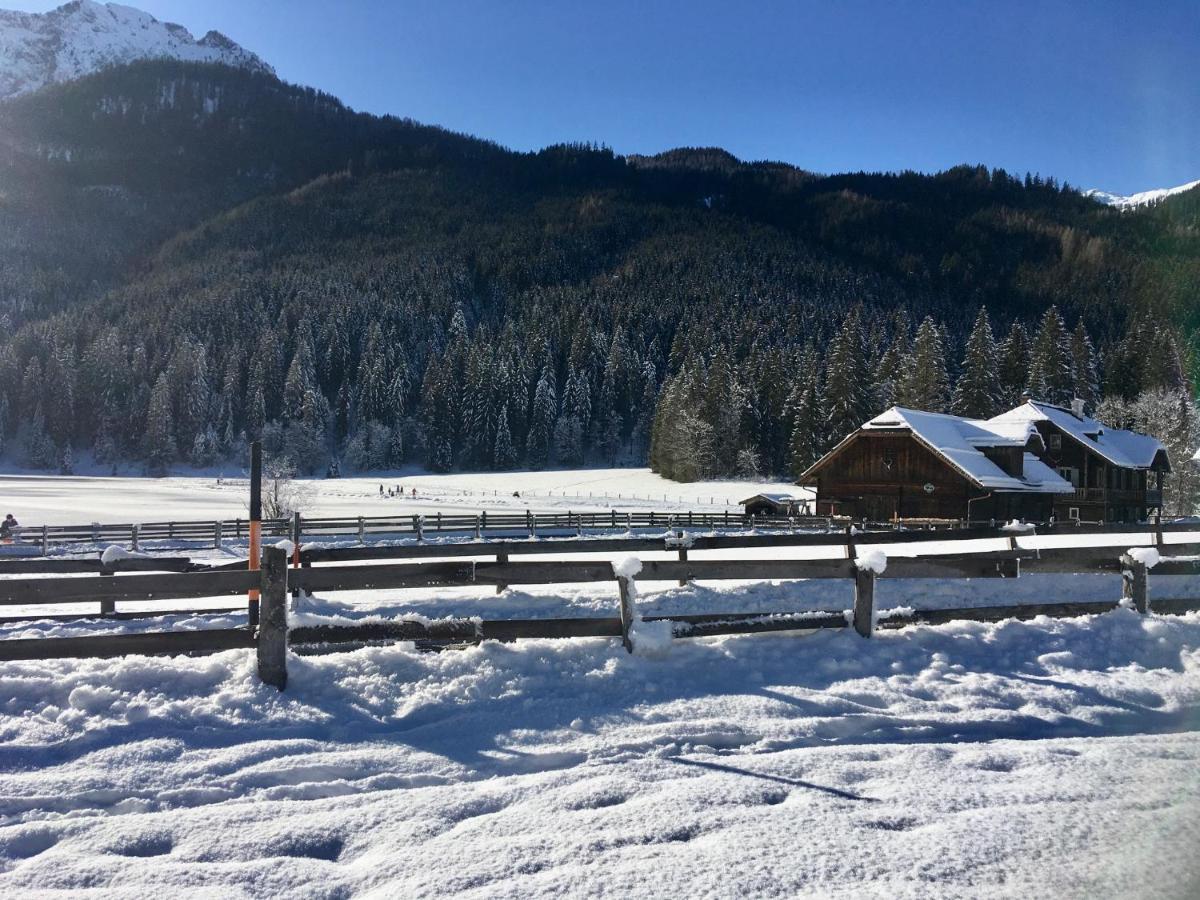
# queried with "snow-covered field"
point(1039, 759)
point(1050, 758)
point(74, 500)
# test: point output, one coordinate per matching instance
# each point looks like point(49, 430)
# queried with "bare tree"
point(282, 496)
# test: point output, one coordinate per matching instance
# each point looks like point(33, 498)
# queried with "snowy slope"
point(1143, 198)
point(83, 37)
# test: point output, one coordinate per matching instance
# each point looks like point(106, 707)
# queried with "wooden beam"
point(129, 588)
point(174, 643)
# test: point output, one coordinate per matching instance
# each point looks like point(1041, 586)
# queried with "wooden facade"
point(1104, 492)
point(880, 475)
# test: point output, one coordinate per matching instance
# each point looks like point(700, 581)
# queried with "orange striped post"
point(255, 524)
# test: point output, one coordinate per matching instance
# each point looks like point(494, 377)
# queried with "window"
point(1069, 473)
point(1073, 513)
point(1054, 442)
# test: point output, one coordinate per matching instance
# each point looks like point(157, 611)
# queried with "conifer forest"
point(194, 256)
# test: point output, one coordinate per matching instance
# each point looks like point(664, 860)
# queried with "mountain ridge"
point(1141, 198)
point(83, 37)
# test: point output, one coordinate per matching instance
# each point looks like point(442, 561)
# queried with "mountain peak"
point(1143, 198)
point(83, 36)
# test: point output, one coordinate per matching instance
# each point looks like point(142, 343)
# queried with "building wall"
point(880, 476)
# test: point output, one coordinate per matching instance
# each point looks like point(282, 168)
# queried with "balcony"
point(1151, 497)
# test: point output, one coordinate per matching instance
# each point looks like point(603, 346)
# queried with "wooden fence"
point(270, 635)
point(418, 526)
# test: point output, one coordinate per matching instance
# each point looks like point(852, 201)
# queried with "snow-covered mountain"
point(82, 37)
point(1140, 199)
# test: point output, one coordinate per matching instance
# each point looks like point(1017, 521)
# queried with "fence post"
point(419, 527)
point(134, 535)
point(625, 587)
point(614, 518)
point(478, 528)
point(45, 541)
point(500, 586)
point(483, 518)
point(108, 606)
point(296, 532)
point(272, 626)
point(864, 601)
point(533, 526)
point(362, 530)
point(439, 520)
point(682, 557)
point(1135, 583)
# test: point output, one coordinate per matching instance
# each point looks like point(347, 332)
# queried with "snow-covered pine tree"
point(1014, 365)
point(847, 397)
point(647, 404)
point(505, 452)
point(1085, 378)
point(808, 438)
point(891, 361)
point(977, 393)
point(1050, 375)
point(160, 430)
point(542, 418)
point(924, 383)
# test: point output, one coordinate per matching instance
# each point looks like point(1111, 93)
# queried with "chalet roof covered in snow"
point(961, 443)
point(1127, 449)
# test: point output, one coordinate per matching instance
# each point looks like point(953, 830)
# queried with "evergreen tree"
point(808, 438)
point(1014, 365)
point(1050, 375)
point(505, 453)
point(542, 419)
point(977, 393)
point(160, 430)
point(847, 397)
point(891, 362)
point(1085, 381)
point(924, 383)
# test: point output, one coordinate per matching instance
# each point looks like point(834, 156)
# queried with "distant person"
point(414, 493)
point(381, 490)
point(8, 527)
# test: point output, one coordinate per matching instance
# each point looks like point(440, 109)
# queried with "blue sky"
point(1101, 94)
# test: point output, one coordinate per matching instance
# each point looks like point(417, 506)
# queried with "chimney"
point(1026, 396)
point(1077, 407)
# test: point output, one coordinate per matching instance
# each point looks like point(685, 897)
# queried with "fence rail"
point(269, 633)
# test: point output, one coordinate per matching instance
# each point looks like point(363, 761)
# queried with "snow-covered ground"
point(75, 500)
point(1043, 758)
point(1048, 758)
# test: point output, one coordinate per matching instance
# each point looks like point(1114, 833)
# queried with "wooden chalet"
point(909, 464)
point(1115, 475)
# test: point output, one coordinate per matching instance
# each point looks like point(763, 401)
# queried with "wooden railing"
point(215, 532)
point(271, 636)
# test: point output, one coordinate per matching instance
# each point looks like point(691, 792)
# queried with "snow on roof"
point(773, 497)
point(960, 441)
point(1127, 449)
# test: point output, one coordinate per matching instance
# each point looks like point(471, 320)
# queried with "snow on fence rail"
point(270, 635)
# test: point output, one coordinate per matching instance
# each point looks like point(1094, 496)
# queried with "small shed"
point(772, 504)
